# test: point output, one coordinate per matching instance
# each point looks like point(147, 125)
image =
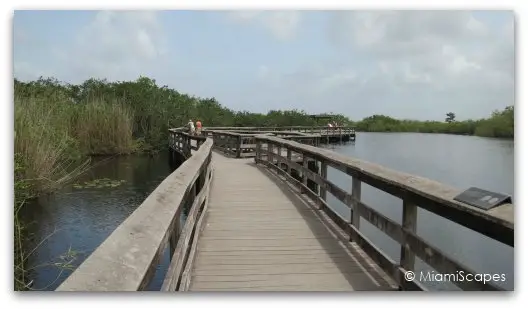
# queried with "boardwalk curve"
point(260, 236)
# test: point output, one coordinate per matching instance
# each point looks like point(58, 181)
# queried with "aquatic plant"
point(99, 183)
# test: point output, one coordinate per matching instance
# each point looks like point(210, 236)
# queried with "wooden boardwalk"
point(260, 235)
point(249, 229)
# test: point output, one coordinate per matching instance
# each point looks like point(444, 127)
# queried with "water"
point(85, 217)
point(81, 219)
point(458, 161)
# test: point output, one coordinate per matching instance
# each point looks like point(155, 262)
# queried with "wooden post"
point(304, 176)
point(409, 218)
point(324, 175)
point(238, 146)
point(288, 156)
point(270, 150)
point(279, 152)
point(312, 185)
point(231, 141)
point(257, 151)
point(356, 196)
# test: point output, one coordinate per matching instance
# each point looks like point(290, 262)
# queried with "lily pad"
point(99, 183)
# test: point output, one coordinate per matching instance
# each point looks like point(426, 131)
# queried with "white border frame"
point(304, 300)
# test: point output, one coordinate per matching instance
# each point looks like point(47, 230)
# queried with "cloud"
point(282, 24)
point(437, 60)
point(115, 45)
point(406, 64)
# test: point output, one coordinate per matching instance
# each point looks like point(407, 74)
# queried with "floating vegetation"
point(99, 183)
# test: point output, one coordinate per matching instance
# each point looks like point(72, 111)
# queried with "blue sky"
point(405, 64)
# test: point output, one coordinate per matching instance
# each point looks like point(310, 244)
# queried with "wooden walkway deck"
point(249, 229)
point(260, 235)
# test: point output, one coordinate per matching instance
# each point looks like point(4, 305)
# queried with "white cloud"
point(115, 45)
point(282, 24)
point(429, 60)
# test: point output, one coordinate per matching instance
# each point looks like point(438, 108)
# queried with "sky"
point(404, 64)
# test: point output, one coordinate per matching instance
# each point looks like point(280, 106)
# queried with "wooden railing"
point(127, 259)
point(414, 192)
point(234, 144)
point(304, 129)
point(184, 142)
point(242, 145)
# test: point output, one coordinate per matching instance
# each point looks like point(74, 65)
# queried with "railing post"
point(288, 156)
point(304, 174)
point(279, 152)
point(356, 199)
point(324, 173)
point(269, 156)
point(409, 218)
point(230, 143)
point(238, 146)
point(257, 150)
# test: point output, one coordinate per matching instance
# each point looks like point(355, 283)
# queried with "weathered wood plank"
point(270, 234)
point(181, 253)
point(186, 276)
point(302, 282)
point(243, 261)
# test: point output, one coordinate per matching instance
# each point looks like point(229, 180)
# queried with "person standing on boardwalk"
point(191, 127)
point(198, 127)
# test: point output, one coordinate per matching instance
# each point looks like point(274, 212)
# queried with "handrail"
point(282, 128)
point(180, 141)
point(414, 191)
point(242, 145)
point(127, 259)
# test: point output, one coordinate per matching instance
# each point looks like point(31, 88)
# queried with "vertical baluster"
point(356, 196)
point(409, 218)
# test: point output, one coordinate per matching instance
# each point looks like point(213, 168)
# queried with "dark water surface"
point(80, 219)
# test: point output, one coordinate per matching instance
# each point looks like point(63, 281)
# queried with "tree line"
point(500, 124)
point(57, 123)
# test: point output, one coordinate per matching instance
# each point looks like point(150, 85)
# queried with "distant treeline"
point(58, 122)
point(500, 124)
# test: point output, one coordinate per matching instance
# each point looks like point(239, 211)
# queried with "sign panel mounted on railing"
point(482, 199)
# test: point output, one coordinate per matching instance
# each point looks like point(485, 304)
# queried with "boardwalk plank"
point(259, 237)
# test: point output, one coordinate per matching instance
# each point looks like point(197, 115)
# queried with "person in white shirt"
point(191, 127)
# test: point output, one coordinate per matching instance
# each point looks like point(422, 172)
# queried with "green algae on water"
point(99, 184)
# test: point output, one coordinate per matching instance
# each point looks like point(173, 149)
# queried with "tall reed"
point(104, 128)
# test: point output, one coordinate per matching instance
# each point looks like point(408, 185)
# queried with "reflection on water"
point(81, 219)
point(458, 161)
